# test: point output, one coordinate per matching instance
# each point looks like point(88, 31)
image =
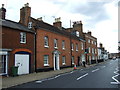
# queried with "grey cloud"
point(95, 10)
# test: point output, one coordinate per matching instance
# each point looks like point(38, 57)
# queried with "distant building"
point(102, 53)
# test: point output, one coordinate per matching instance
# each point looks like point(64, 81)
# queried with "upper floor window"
point(22, 37)
point(76, 47)
point(63, 45)
point(55, 43)
point(82, 45)
point(88, 40)
point(93, 50)
point(46, 41)
point(92, 42)
point(95, 43)
point(72, 46)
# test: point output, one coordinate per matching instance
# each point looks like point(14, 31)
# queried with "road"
point(103, 75)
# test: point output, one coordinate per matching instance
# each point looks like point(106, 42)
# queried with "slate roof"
point(14, 25)
point(46, 26)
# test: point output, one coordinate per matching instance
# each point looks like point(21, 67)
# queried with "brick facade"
point(91, 46)
point(11, 40)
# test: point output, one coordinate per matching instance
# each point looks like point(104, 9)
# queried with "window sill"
point(23, 42)
point(46, 46)
point(63, 48)
point(72, 63)
point(63, 64)
point(46, 65)
point(55, 47)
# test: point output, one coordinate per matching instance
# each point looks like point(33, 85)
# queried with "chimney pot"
point(57, 23)
point(27, 5)
point(2, 5)
point(2, 12)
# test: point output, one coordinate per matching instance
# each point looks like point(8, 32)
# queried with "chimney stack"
point(25, 13)
point(58, 23)
point(101, 46)
point(2, 12)
point(89, 32)
point(78, 26)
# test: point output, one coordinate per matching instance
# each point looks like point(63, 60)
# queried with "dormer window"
point(77, 34)
point(30, 25)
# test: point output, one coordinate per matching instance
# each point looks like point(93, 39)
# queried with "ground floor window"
point(46, 59)
point(63, 60)
point(3, 64)
point(72, 59)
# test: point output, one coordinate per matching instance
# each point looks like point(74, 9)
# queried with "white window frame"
point(76, 47)
point(72, 46)
point(55, 43)
point(30, 25)
point(6, 55)
point(88, 40)
point(77, 34)
point(46, 42)
point(95, 43)
point(63, 44)
point(93, 50)
point(23, 37)
point(63, 60)
point(92, 42)
point(72, 59)
point(82, 46)
point(47, 59)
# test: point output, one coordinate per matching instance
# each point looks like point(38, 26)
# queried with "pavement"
point(13, 81)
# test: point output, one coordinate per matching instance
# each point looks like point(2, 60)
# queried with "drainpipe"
point(70, 46)
point(70, 50)
point(35, 63)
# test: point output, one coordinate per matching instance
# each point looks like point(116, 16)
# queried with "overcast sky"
point(98, 16)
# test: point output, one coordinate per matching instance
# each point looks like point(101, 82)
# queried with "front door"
point(56, 62)
point(22, 61)
point(78, 61)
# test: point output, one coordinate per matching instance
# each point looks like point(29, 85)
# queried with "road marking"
point(57, 76)
point(72, 72)
point(82, 76)
point(40, 81)
point(116, 81)
point(95, 70)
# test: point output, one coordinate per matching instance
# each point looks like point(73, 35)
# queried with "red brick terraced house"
point(56, 47)
point(91, 48)
point(17, 46)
